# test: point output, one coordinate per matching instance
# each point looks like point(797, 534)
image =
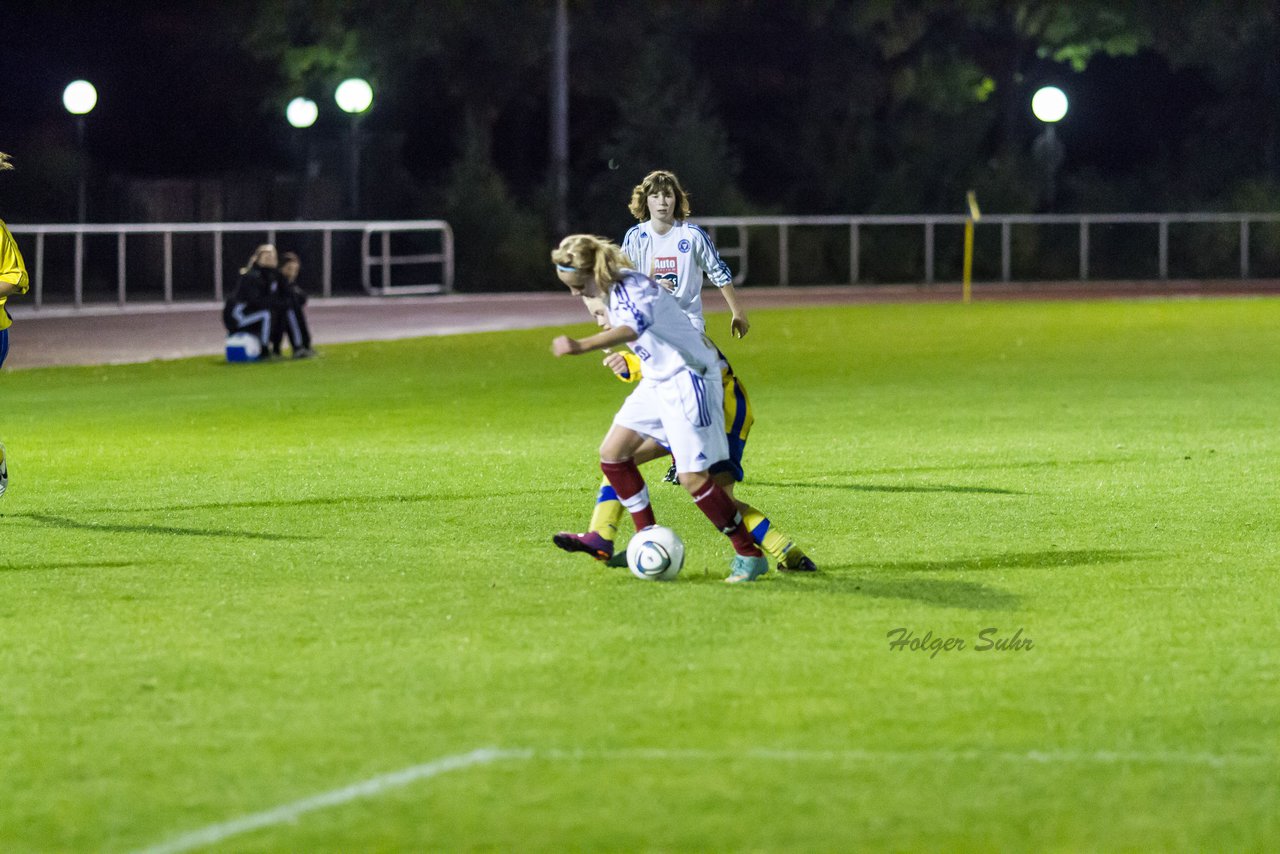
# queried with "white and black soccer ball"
point(655, 554)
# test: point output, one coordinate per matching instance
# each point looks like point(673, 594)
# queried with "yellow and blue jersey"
point(12, 271)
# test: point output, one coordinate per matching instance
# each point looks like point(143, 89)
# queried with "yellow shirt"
point(12, 271)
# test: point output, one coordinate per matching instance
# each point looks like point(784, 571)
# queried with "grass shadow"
point(877, 487)
point(940, 592)
point(340, 500)
point(889, 583)
point(1014, 560)
point(74, 564)
point(992, 466)
point(166, 530)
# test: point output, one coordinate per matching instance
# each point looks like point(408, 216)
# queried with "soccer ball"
point(655, 554)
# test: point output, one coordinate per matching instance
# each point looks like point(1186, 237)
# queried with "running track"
point(111, 335)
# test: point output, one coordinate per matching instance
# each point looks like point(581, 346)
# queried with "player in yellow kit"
point(13, 280)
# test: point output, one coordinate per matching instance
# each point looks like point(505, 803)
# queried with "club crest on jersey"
point(666, 273)
point(683, 246)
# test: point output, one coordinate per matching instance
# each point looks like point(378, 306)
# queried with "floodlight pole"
point(1049, 151)
point(560, 115)
point(1049, 105)
point(301, 114)
point(354, 96)
point(354, 191)
point(79, 98)
point(82, 191)
point(310, 169)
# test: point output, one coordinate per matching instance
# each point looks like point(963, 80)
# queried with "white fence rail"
point(784, 225)
point(260, 232)
point(380, 265)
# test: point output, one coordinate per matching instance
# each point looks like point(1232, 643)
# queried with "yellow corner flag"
point(974, 215)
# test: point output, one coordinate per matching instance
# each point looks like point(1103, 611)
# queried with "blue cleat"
point(746, 568)
point(797, 561)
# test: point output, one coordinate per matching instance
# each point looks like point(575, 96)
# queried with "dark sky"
point(163, 107)
point(177, 95)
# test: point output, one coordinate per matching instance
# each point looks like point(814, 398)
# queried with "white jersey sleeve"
point(708, 258)
point(667, 341)
point(678, 260)
point(636, 247)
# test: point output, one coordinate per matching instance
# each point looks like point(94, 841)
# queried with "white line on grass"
point(375, 786)
point(370, 788)
point(1033, 757)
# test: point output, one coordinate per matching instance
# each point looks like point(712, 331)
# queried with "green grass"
point(228, 588)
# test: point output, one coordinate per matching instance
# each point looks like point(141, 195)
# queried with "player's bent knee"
point(693, 481)
point(650, 450)
point(620, 444)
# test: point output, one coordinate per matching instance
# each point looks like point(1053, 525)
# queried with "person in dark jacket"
point(249, 308)
point(287, 304)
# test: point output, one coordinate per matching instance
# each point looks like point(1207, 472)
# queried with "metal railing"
point(928, 223)
point(386, 260)
point(265, 232)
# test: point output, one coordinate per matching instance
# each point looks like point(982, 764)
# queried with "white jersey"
point(668, 342)
point(677, 260)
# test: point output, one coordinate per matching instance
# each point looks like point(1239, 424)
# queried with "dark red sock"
point(627, 481)
point(723, 513)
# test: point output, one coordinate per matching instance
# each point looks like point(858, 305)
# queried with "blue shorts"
point(738, 418)
point(4, 343)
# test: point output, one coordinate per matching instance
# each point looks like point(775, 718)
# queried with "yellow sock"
point(778, 545)
point(608, 512)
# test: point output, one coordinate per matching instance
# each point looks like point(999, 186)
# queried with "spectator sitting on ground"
point(289, 318)
point(249, 308)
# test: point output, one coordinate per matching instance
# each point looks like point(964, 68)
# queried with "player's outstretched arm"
point(566, 346)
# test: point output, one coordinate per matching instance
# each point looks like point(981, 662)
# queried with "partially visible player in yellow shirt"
point(13, 280)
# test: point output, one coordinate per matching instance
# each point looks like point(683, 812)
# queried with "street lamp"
point(1049, 104)
point(80, 98)
point(354, 96)
point(301, 114)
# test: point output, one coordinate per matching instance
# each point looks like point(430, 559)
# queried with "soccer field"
point(314, 606)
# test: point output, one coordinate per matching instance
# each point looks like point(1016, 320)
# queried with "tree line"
point(763, 106)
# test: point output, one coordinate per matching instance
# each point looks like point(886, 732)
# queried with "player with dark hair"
point(288, 298)
point(13, 280)
point(676, 403)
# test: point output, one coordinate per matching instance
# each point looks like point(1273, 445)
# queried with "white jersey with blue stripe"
point(678, 260)
point(667, 342)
